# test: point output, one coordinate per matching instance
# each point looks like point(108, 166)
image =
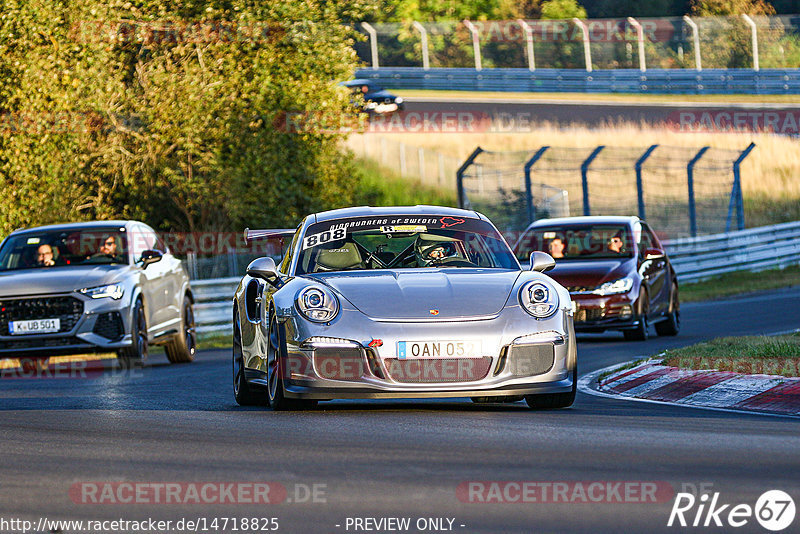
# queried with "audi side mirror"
point(150, 256)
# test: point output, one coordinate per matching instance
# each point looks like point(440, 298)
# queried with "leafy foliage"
point(172, 112)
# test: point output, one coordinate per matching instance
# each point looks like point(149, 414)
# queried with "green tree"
point(174, 117)
point(562, 9)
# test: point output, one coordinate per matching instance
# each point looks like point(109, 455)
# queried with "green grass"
point(773, 355)
point(378, 186)
point(214, 340)
point(604, 97)
point(762, 210)
point(731, 284)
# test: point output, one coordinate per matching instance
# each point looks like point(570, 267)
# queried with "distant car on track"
point(395, 302)
point(376, 99)
point(615, 269)
point(110, 286)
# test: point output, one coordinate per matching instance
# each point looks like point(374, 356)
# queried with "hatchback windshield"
point(62, 248)
point(402, 242)
point(577, 242)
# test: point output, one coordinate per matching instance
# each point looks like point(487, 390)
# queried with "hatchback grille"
point(429, 371)
point(589, 314)
point(67, 309)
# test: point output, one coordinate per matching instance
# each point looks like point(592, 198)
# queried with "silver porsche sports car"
point(398, 302)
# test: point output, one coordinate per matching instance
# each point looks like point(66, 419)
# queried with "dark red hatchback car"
point(616, 271)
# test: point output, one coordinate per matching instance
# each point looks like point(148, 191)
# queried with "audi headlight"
point(317, 304)
point(623, 285)
point(539, 299)
point(113, 291)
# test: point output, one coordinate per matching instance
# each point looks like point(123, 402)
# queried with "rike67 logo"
point(774, 510)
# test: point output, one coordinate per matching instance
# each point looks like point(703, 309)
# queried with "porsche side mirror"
point(263, 268)
point(150, 256)
point(541, 261)
point(654, 254)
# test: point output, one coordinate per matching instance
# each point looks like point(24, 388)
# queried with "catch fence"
point(680, 191)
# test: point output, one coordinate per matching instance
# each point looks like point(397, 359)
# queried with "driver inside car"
point(429, 252)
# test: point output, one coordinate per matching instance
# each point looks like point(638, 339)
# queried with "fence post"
point(695, 42)
point(585, 178)
point(403, 167)
point(476, 45)
point(528, 186)
point(640, 38)
point(384, 156)
point(462, 199)
point(639, 181)
point(373, 43)
point(754, 39)
point(690, 184)
point(587, 52)
point(736, 192)
point(421, 161)
point(423, 35)
point(528, 44)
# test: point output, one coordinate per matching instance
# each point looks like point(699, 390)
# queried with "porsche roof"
point(362, 211)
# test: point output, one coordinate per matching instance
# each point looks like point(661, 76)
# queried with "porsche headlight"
point(398, 100)
point(317, 304)
point(539, 299)
point(623, 285)
point(113, 291)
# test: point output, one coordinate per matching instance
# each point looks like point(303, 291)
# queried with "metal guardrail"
point(694, 259)
point(213, 299)
point(654, 81)
point(754, 249)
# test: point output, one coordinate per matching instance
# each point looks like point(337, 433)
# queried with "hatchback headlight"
point(317, 304)
point(114, 291)
point(623, 285)
point(539, 299)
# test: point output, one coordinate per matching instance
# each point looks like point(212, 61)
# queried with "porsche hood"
point(425, 294)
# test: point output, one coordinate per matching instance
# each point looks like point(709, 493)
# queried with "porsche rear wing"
point(257, 235)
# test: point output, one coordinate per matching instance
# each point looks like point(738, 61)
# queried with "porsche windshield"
point(62, 248)
point(578, 242)
point(402, 242)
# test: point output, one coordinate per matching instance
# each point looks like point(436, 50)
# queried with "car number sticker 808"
point(324, 237)
point(438, 349)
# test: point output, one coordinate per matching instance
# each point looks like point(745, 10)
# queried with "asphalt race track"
point(383, 459)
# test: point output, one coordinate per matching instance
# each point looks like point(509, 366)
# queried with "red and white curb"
point(649, 381)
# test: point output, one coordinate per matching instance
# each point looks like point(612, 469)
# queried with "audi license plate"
point(438, 349)
point(36, 326)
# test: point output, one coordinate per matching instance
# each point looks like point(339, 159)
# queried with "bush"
point(175, 118)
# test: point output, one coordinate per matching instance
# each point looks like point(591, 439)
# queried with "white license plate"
point(438, 349)
point(36, 326)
